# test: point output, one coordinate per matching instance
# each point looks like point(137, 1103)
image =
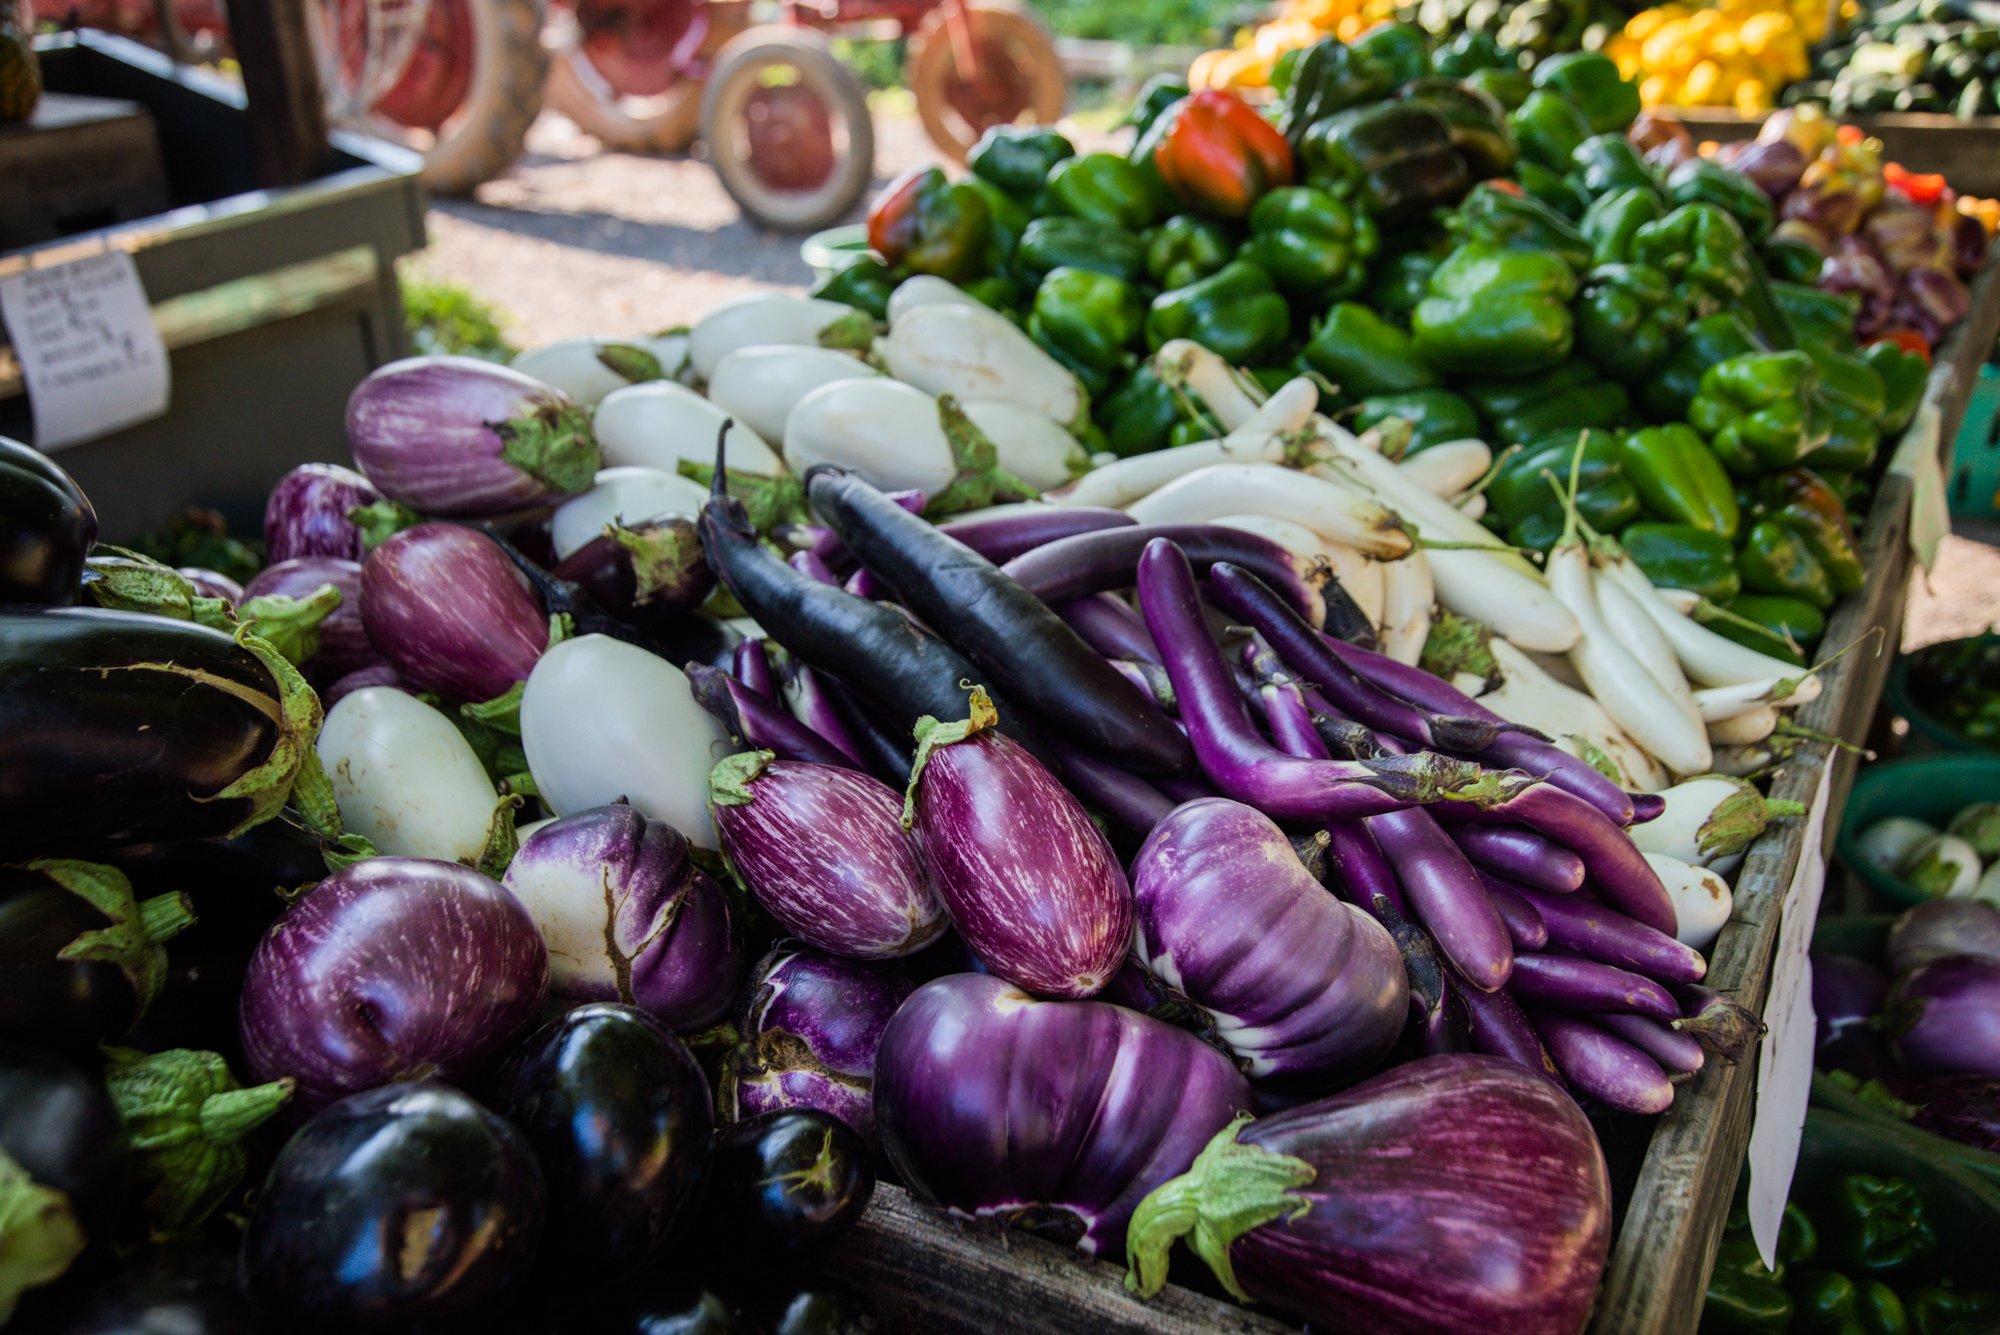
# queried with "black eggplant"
point(58, 1122)
point(618, 1114)
point(396, 1206)
point(781, 1185)
point(186, 1291)
point(808, 1305)
point(119, 727)
point(672, 1303)
point(46, 529)
point(642, 573)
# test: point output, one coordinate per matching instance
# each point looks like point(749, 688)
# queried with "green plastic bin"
point(1929, 788)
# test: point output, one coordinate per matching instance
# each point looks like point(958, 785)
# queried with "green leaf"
point(39, 1234)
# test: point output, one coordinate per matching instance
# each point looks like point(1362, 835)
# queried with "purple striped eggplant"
point(989, 1101)
point(458, 436)
point(824, 850)
point(1026, 876)
point(811, 1025)
point(1308, 992)
point(344, 645)
point(628, 916)
point(445, 607)
point(311, 513)
point(1455, 1195)
point(643, 574)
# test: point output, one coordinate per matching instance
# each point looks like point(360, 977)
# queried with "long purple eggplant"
point(1308, 992)
point(1521, 855)
point(1002, 537)
point(1676, 1052)
point(443, 606)
point(1597, 932)
point(1610, 858)
point(1017, 642)
point(1599, 1063)
point(1562, 983)
point(1111, 627)
point(1105, 560)
point(810, 1026)
point(310, 510)
point(643, 574)
point(344, 645)
point(1125, 798)
point(457, 436)
point(758, 721)
point(806, 694)
point(1499, 1028)
point(824, 850)
point(1454, 1195)
point(989, 1101)
point(1524, 921)
point(1025, 874)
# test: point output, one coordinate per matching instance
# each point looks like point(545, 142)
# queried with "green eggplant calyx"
point(553, 445)
point(729, 782)
point(269, 786)
point(853, 331)
point(290, 624)
point(932, 733)
point(770, 499)
point(39, 1234)
point(661, 554)
point(631, 364)
point(379, 521)
point(980, 480)
point(131, 936)
point(502, 841)
point(187, 1118)
point(503, 712)
point(1230, 1189)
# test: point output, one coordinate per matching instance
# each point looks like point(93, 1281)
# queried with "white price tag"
point(1917, 459)
point(89, 352)
point(1785, 1058)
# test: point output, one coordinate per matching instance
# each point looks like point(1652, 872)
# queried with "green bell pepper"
point(1186, 248)
point(1613, 219)
point(1504, 217)
point(1478, 124)
point(1784, 628)
point(1078, 243)
point(1851, 379)
point(1800, 500)
point(1744, 1298)
point(1104, 188)
point(1756, 411)
point(1798, 1239)
point(1530, 510)
point(1395, 159)
point(1155, 95)
point(1904, 375)
point(1680, 556)
point(1851, 437)
point(1875, 1226)
point(1094, 317)
point(996, 290)
point(1468, 51)
point(1775, 560)
point(1007, 218)
point(1595, 403)
point(1792, 259)
point(1017, 158)
point(1711, 339)
point(1590, 81)
point(1399, 48)
point(930, 225)
point(1552, 188)
point(864, 285)
point(1680, 480)
point(1825, 319)
point(1364, 354)
point(1304, 238)
point(1878, 1310)
point(1397, 284)
point(1504, 396)
point(1434, 415)
point(1140, 415)
point(1628, 319)
point(1509, 87)
point(1144, 158)
point(1702, 181)
point(1701, 249)
point(1234, 313)
point(1936, 1310)
point(1823, 1302)
point(1607, 162)
point(1327, 77)
point(1548, 129)
point(1491, 306)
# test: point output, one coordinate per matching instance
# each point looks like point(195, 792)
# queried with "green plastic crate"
point(1974, 488)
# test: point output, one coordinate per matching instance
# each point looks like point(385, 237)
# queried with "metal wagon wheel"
point(1000, 68)
point(787, 128)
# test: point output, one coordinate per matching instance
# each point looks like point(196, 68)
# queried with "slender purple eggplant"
point(759, 722)
point(1647, 807)
point(1599, 1063)
point(344, 645)
point(643, 574)
point(1307, 991)
point(1676, 1052)
point(1561, 983)
point(1105, 560)
point(1521, 855)
point(1939, 927)
point(989, 1101)
point(457, 436)
point(824, 850)
point(1125, 798)
point(1499, 1028)
point(628, 917)
point(810, 1026)
point(1524, 922)
point(1943, 1017)
point(1025, 874)
point(1110, 626)
point(1446, 1026)
point(1454, 1195)
point(1722, 1027)
point(443, 606)
point(1610, 858)
point(1847, 995)
point(390, 969)
point(806, 694)
point(1600, 933)
point(809, 563)
point(753, 668)
point(1008, 632)
point(1020, 529)
point(311, 513)
point(1357, 870)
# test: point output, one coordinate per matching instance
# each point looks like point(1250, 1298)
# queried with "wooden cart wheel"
point(787, 129)
point(1019, 78)
point(622, 87)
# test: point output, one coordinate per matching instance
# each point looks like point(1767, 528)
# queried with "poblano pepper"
point(1681, 556)
point(1680, 480)
point(1364, 354)
point(1904, 375)
point(927, 224)
point(1567, 399)
point(1496, 309)
point(1756, 411)
point(1548, 128)
point(1499, 214)
point(1701, 249)
point(1776, 560)
point(1186, 248)
point(1079, 243)
point(1304, 238)
point(1394, 159)
point(1875, 1226)
point(1591, 82)
point(1711, 339)
point(1103, 188)
point(1552, 188)
point(1531, 511)
point(1744, 1297)
point(1017, 158)
point(1329, 76)
point(1607, 162)
point(1094, 317)
point(1478, 124)
point(1701, 181)
point(864, 285)
point(1434, 415)
point(1234, 312)
point(1628, 319)
point(1818, 317)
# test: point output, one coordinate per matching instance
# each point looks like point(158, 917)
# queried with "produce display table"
point(1965, 152)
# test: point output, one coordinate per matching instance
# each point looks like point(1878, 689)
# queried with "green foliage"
point(1142, 22)
point(444, 317)
point(879, 64)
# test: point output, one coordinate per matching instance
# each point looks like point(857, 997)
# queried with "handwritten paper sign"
point(89, 352)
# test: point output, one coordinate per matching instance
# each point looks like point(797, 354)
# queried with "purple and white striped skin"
point(381, 674)
point(1109, 625)
point(1307, 991)
point(306, 514)
point(811, 1025)
point(1521, 855)
point(344, 645)
point(213, 584)
point(1025, 874)
point(1126, 798)
point(753, 668)
point(1558, 982)
point(1601, 933)
point(1676, 1052)
point(1597, 1062)
point(1939, 927)
point(1002, 537)
point(989, 1101)
point(824, 850)
point(390, 969)
point(628, 916)
point(644, 574)
point(1499, 1028)
point(1060, 572)
point(1943, 1017)
point(445, 607)
point(759, 722)
point(457, 436)
point(1524, 922)
point(805, 693)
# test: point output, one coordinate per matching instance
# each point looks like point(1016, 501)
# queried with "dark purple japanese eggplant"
point(46, 528)
point(781, 1186)
point(1676, 1052)
point(311, 513)
point(458, 436)
point(642, 573)
point(1308, 992)
point(1562, 983)
point(1524, 921)
point(617, 1112)
point(444, 606)
point(628, 917)
point(824, 850)
point(810, 1025)
point(1521, 855)
point(391, 969)
point(1105, 560)
point(989, 1102)
point(1943, 1017)
point(1939, 927)
point(753, 668)
point(1017, 529)
point(1498, 1027)
point(1009, 633)
point(59, 1124)
point(1027, 877)
point(394, 1208)
point(1847, 994)
point(759, 722)
point(344, 645)
point(1595, 931)
point(1599, 1063)
point(1102, 786)
point(1111, 627)
point(118, 727)
point(1622, 875)
point(1455, 1195)
point(183, 1290)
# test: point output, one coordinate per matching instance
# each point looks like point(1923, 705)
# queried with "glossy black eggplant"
point(618, 1113)
point(183, 1291)
point(781, 1185)
point(58, 1123)
point(46, 528)
point(808, 1305)
point(672, 1303)
point(118, 727)
point(397, 1206)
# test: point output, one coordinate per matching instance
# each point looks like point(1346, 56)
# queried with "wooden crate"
point(934, 1275)
point(1966, 152)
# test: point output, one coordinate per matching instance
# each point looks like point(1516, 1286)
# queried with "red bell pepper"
point(1909, 340)
point(1219, 155)
point(1917, 189)
point(925, 222)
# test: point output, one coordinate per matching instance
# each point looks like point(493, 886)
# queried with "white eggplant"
point(1519, 607)
point(1988, 888)
point(1752, 725)
point(1642, 638)
point(628, 496)
point(603, 720)
point(1709, 658)
point(406, 779)
point(1709, 822)
point(1979, 825)
point(1350, 464)
point(1448, 468)
point(1290, 407)
point(975, 353)
point(659, 423)
point(1471, 504)
point(1230, 396)
point(758, 386)
point(1294, 538)
point(1702, 900)
point(1723, 702)
point(670, 350)
point(758, 319)
point(1119, 484)
point(1336, 513)
point(1941, 866)
point(1683, 601)
point(1408, 590)
point(882, 429)
point(927, 290)
point(1885, 843)
point(1364, 580)
point(1027, 444)
point(577, 367)
point(1579, 724)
